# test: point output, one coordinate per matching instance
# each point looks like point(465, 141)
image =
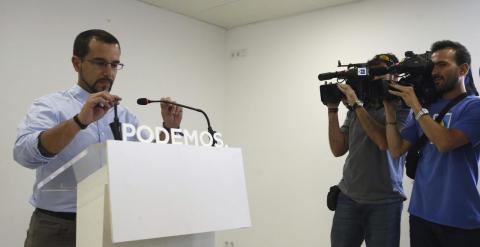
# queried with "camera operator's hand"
point(350, 95)
point(407, 94)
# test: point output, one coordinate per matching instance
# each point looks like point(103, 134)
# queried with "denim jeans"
point(377, 224)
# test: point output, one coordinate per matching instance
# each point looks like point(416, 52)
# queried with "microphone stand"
point(210, 130)
point(116, 126)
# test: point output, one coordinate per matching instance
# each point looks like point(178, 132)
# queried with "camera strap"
point(414, 151)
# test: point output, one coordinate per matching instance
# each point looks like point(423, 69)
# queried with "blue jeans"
point(377, 224)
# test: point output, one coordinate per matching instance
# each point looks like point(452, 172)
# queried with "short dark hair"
point(388, 58)
point(461, 53)
point(80, 46)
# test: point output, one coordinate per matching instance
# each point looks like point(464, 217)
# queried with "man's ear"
point(464, 69)
point(76, 61)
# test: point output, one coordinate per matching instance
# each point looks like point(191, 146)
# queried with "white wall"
point(275, 114)
point(165, 55)
point(266, 102)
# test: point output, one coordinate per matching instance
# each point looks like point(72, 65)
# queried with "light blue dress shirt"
point(45, 113)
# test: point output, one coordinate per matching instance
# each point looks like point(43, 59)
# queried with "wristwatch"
point(421, 113)
point(357, 103)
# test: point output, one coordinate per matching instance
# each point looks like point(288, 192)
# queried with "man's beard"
point(448, 86)
point(92, 88)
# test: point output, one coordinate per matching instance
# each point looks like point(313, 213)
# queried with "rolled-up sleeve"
point(468, 121)
point(40, 117)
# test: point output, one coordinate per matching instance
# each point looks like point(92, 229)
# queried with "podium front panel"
point(160, 190)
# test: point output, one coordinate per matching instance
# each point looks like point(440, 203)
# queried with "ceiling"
point(234, 13)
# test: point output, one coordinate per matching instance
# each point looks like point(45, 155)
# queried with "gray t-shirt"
point(371, 175)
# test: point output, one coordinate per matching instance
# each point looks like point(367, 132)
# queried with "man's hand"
point(55, 139)
point(407, 94)
point(171, 114)
point(97, 106)
point(350, 96)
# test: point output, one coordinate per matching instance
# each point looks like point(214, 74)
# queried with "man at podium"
point(60, 125)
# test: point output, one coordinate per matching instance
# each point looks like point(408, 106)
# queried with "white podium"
point(132, 194)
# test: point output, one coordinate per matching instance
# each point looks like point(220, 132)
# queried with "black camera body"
point(415, 71)
point(329, 93)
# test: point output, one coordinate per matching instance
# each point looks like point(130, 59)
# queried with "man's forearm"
point(443, 138)
point(374, 130)
point(396, 144)
point(337, 140)
point(57, 138)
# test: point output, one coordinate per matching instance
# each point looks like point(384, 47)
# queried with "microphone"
point(327, 76)
point(345, 74)
point(145, 101)
point(116, 126)
point(353, 73)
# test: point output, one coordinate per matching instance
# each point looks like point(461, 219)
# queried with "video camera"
point(415, 70)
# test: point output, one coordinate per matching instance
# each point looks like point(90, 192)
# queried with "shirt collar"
point(79, 93)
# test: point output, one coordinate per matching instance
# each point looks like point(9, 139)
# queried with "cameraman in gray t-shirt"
point(370, 203)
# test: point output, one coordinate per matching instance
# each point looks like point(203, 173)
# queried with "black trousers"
point(424, 233)
point(49, 229)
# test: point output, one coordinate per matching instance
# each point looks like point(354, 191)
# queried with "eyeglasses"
point(101, 64)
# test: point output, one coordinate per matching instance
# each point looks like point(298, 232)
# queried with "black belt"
point(61, 215)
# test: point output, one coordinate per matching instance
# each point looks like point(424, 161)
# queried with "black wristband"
point(80, 124)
